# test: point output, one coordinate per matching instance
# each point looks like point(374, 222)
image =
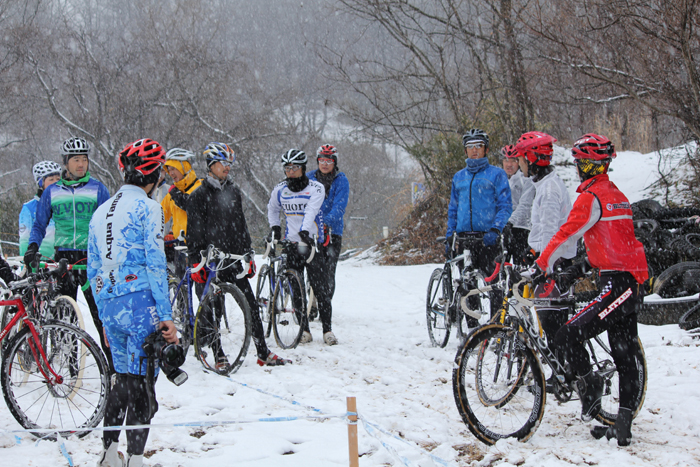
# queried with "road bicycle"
point(498, 379)
point(54, 375)
point(221, 328)
point(281, 296)
point(47, 303)
point(456, 292)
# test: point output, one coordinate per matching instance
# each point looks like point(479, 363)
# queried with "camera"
point(170, 356)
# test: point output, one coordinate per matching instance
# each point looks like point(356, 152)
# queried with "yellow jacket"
point(188, 184)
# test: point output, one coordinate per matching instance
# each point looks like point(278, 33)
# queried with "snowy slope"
point(402, 385)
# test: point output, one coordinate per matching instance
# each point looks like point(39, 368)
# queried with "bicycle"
point(498, 380)
point(450, 290)
point(48, 304)
point(221, 329)
point(281, 296)
point(54, 375)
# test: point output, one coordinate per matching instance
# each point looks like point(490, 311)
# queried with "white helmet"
point(179, 154)
point(44, 169)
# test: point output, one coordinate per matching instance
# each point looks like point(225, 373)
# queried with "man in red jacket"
point(603, 217)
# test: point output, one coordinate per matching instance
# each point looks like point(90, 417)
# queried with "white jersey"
point(522, 189)
point(302, 209)
point(550, 209)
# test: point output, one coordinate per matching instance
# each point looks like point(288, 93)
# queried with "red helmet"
point(536, 147)
point(144, 156)
point(509, 151)
point(594, 147)
point(327, 151)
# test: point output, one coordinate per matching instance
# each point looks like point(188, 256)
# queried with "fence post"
point(352, 432)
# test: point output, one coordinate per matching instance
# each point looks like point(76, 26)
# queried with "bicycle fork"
point(43, 362)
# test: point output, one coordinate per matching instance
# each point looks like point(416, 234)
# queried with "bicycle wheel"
point(222, 329)
point(494, 402)
point(437, 307)
point(181, 317)
point(610, 403)
point(76, 400)
point(289, 309)
point(690, 319)
point(679, 280)
point(66, 310)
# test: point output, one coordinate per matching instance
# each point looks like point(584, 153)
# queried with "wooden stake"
point(352, 432)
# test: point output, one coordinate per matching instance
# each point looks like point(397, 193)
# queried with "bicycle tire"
point(610, 403)
point(222, 329)
point(180, 307)
point(66, 309)
point(437, 306)
point(671, 282)
point(690, 319)
point(289, 309)
point(78, 402)
point(520, 401)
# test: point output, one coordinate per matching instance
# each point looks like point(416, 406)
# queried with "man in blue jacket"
point(333, 208)
point(480, 206)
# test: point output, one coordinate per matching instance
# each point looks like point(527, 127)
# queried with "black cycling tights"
point(615, 311)
point(128, 399)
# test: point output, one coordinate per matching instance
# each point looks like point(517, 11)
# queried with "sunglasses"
point(325, 161)
point(474, 145)
point(292, 168)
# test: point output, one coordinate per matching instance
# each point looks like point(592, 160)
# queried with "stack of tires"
point(672, 246)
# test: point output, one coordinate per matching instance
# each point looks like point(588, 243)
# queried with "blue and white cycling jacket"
point(333, 208)
point(26, 220)
point(302, 209)
point(125, 250)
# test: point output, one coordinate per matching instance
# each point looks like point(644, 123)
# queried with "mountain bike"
point(498, 380)
point(456, 291)
point(221, 329)
point(54, 375)
point(281, 296)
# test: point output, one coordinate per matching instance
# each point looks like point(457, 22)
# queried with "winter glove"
point(30, 256)
point(6, 273)
point(180, 198)
point(275, 234)
point(306, 238)
point(199, 276)
point(507, 230)
point(491, 237)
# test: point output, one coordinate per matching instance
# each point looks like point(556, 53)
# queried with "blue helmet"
point(219, 152)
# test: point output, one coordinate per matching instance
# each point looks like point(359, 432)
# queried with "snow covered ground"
point(403, 387)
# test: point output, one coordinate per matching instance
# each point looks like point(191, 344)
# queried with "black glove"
point(30, 256)
point(306, 238)
point(275, 233)
point(6, 273)
point(506, 230)
point(180, 198)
